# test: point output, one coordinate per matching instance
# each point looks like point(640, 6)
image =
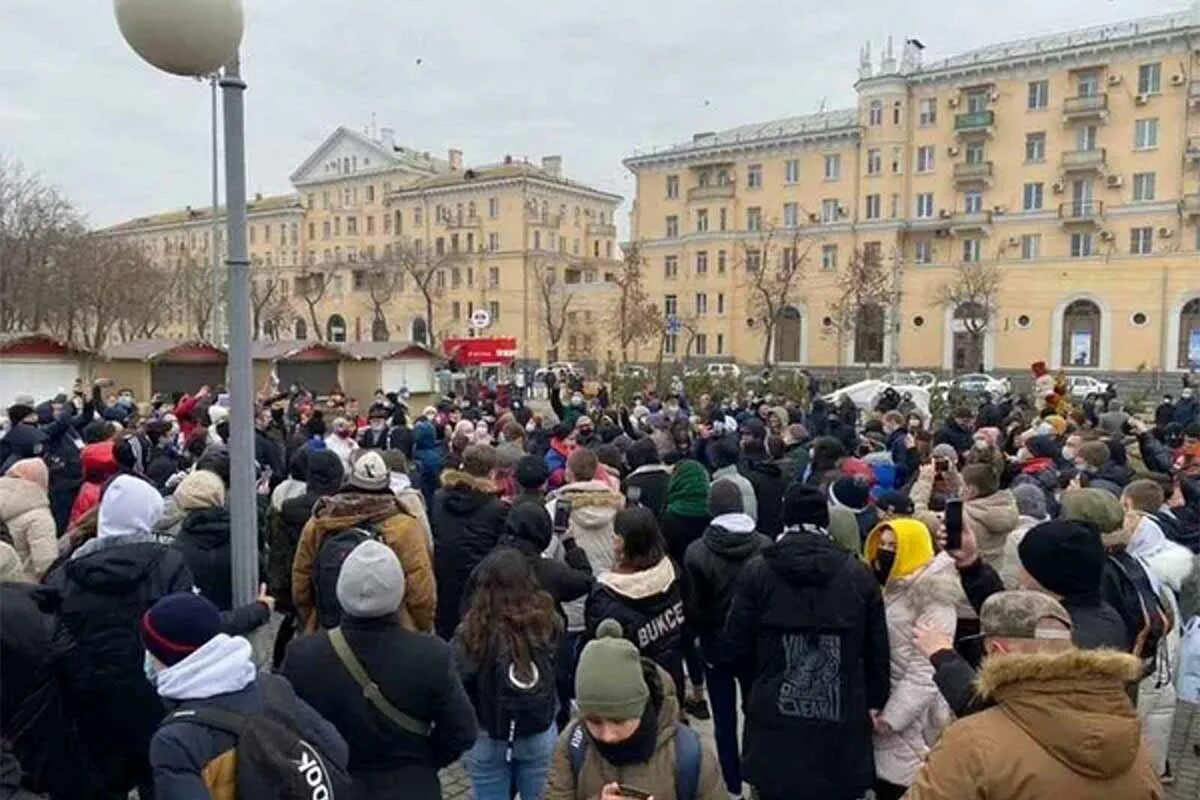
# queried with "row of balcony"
point(1094, 106)
point(1073, 162)
point(1071, 214)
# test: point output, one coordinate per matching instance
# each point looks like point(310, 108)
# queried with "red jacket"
point(99, 464)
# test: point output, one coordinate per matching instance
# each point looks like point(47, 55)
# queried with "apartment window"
point(874, 162)
point(754, 218)
point(925, 205)
point(1145, 133)
point(672, 186)
point(1031, 246)
point(702, 262)
point(455, 278)
point(370, 194)
point(1085, 138)
point(971, 250)
point(897, 109)
point(700, 345)
point(493, 207)
point(417, 214)
point(1039, 95)
point(925, 155)
point(312, 230)
point(439, 246)
point(494, 310)
point(875, 113)
point(1141, 241)
point(325, 200)
point(833, 167)
point(1143, 187)
point(493, 242)
point(829, 210)
point(672, 226)
point(1081, 245)
point(791, 171)
point(351, 226)
point(894, 206)
point(1087, 84)
point(1034, 195)
point(722, 219)
point(670, 344)
point(671, 267)
point(701, 304)
point(455, 310)
point(1035, 147)
point(251, 234)
point(1150, 79)
point(720, 343)
point(720, 262)
point(325, 229)
point(670, 305)
point(977, 101)
point(872, 251)
point(701, 220)
point(829, 257)
point(974, 153)
point(923, 252)
point(754, 176)
point(493, 277)
point(358, 280)
point(720, 302)
point(973, 202)
point(927, 112)
point(753, 259)
point(791, 214)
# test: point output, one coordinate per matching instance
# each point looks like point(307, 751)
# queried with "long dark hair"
point(508, 607)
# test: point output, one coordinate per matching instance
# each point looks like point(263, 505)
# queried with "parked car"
point(864, 395)
point(976, 383)
point(910, 378)
point(632, 371)
point(560, 369)
point(718, 369)
point(1085, 387)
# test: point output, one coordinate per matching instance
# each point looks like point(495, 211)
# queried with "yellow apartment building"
point(1068, 165)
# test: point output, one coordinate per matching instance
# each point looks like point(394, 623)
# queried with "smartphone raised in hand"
point(562, 516)
point(954, 524)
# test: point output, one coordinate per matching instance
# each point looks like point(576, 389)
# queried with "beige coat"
point(992, 519)
point(25, 510)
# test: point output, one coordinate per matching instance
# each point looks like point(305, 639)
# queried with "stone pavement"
point(1185, 760)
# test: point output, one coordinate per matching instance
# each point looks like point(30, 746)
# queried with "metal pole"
point(218, 336)
point(241, 380)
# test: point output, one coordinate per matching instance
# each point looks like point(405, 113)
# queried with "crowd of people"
point(989, 604)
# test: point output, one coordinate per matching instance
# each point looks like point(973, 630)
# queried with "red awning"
point(481, 352)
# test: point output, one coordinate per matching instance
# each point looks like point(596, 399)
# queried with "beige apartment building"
point(384, 242)
point(1070, 162)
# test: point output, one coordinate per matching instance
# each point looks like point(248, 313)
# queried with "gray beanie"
point(371, 583)
point(724, 497)
point(1031, 500)
point(370, 472)
point(608, 682)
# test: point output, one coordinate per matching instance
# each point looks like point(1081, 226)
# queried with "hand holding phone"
point(562, 516)
point(954, 524)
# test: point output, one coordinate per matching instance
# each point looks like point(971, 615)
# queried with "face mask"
point(149, 670)
point(1068, 453)
point(577, 400)
point(378, 425)
point(884, 561)
point(431, 417)
point(672, 410)
point(344, 434)
point(530, 427)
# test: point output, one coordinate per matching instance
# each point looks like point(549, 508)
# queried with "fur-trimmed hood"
point(593, 504)
point(639, 585)
point(1073, 704)
point(347, 509)
point(457, 479)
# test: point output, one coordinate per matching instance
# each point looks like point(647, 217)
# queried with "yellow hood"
point(914, 546)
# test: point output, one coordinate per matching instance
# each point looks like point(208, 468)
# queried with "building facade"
point(382, 242)
point(1068, 166)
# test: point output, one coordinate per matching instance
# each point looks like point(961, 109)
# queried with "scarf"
point(637, 749)
point(687, 491)
point(224, 664)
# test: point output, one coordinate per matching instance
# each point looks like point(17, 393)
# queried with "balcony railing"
point(1191, 204)
point(1085, 212)
point(549, 220)
point(601, 229)
point(1084, 160)
point(461, 221)
point(973, 173)
point(1091, 105)
point(970, 220)
point(714, 191)
point(974, 121)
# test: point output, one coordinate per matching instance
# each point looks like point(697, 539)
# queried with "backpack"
point(330, 557)
point(687, 758)
point(1143, 610)
point(272, 759)
point(524, 705)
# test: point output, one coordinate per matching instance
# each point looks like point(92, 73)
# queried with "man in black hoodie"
point(646, 485)
point(807, 620)
point(711, 568)
point(765, 475)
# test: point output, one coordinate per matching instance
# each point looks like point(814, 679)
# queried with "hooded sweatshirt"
point(593, 507)
point(712, 565)
point(992, 519)
point(25, 510)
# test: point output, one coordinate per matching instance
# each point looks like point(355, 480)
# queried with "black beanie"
point(531, 472)
point(641, 453)
point(724, 497)
point(1065, 556)
point(805, 505)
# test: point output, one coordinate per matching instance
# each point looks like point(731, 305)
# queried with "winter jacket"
point(467, 519)
point(528, 528)
point(712, 565)
point(593, 507)
point(921, 588)
point(387, 762)
point(992, 519)
point(21, 441)
point(324, 479)
point(680, 531)
point(393, 526)
point(25, 511)
point(1062, 727)
point(1010, 558)
point(845, 529)
point(769, 484)
point(204, 541)
point(807, 620)
point(647, 486)
point(749, 498)
point(649, 606)
point(63, 448)
point(192, 760)
point(99, 464)
point(556, 461)
point(656, 776)
point(428, 458)
point(954, 435)
point(400, 437)
point(479, 679)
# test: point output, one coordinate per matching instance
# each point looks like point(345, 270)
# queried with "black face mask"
point(884, 561)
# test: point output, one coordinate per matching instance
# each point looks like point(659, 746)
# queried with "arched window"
point(968, 330)
point(1189, 335)
point(301, 329)
point(788, 330)
point(1081, 334)
point(420, 331)
point(268, 329)
point(868, 335)
point(335, 328)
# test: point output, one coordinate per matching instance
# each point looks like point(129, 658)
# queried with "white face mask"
point(1068, 453)
point(378, 425)
point(149, 670)
point(530, 427)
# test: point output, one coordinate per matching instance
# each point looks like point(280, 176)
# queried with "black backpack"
point(332, 554)
point(1146, 617)
point(273, 761)
point(525, 704)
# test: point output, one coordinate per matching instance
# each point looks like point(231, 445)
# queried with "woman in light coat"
point(25, 511)
point(918, 587)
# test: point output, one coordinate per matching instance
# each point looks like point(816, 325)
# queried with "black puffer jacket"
point(204, 542)
point(528, 528)
point(649, 606)
point(467, 519)
point(807, 620)
point(324, 479)
point(769, 484)
point(712, 565)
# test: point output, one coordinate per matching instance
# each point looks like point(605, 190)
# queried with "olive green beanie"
point(609, 682)
point(1097, 506)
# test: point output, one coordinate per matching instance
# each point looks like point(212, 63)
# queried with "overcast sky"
point(590, 81)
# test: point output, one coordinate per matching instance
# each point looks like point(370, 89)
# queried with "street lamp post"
point(196, 38)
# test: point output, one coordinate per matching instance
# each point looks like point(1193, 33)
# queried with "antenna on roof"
point(821, 108)
point(374, 130)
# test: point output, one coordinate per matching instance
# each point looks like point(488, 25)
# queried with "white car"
point(864, 394)
point(976, 383)
point(1081, 387)
point(720, 369)
point(560, 370)
point(923, 379)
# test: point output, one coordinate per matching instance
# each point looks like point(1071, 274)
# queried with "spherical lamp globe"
point(183, 37)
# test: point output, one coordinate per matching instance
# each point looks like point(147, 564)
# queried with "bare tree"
point(426, 272)
point(972, 295)
point(269, 308)
point(638, 319)
point(554, 299)
point(384, 282)
point(863, 291)
point(311, 287)
point(773, 270)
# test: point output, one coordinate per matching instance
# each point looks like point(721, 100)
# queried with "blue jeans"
point(722, 693)
point(492, 776)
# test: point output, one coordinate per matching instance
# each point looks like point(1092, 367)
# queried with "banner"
point(482, 351)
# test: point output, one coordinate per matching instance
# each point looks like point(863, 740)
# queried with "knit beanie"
point(369, 472)
point(371, 583)
point(805, 505)
point(1031, 500)
point(853, 493)
point(687, 491)
point(724, 497)
point(1041, 447)
point(641, 453)
point(608, 682)
point(1096, 506)
point(895, 502)
point(178, 625)
point(531, 472)
point(1065, 556)
point(200, 489)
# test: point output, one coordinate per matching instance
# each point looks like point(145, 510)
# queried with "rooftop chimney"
point(387, 138)
point(552, 165)
point(456, 161)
